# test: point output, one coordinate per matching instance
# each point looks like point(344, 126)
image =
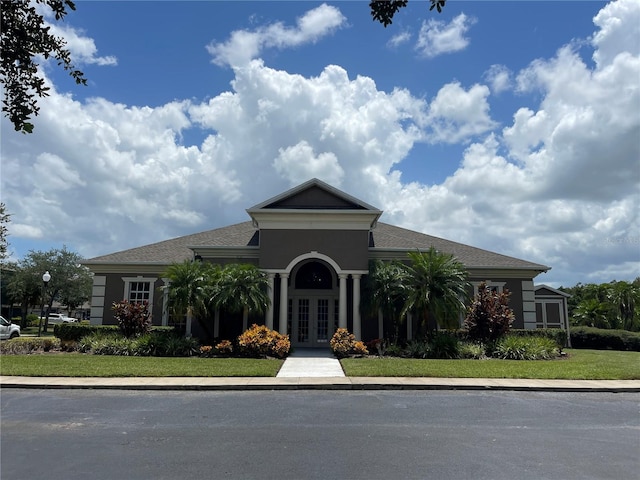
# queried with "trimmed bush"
point(26, 345)
point(601, 339)
point(443, 345)
point(513, 347)
point(260, 341)
point(344, 344)
point(556, 334)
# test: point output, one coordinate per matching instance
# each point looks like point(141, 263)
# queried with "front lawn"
point(80, 365)
point(580, 365)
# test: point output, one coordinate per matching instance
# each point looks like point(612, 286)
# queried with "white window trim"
point(543, 303)
point(127, 284)
point(498, 285)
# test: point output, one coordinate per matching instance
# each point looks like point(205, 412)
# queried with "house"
point(315, 243)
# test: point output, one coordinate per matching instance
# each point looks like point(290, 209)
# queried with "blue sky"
point(511, 126)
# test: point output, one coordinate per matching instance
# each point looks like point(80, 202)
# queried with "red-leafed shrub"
point(133, 318)
point(489, 317)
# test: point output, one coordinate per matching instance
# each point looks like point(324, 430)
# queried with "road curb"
point(318, 383)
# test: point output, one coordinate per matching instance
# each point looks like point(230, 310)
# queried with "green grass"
point(80, 365)
point(580, 365)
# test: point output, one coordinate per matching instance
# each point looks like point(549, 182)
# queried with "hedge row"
point(556, 334)
point(73, 332)
point(601, 339)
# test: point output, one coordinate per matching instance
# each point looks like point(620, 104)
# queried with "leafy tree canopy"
point(24, 37)
point(384, 10)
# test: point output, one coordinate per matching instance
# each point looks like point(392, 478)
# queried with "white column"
point(269, 317)
point(357, 322)
point(165, 302)
point(284, 303)
point(342, 308)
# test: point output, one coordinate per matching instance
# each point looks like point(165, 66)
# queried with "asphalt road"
point(86, 434)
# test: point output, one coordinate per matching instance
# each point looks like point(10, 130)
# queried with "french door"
point(313, 321)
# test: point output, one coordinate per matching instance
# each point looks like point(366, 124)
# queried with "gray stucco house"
point(315, 243)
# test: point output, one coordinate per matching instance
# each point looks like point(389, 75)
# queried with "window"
point(314, 276)
point(139, 289)
point(494, 286)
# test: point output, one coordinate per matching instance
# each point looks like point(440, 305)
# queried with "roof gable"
point(313, 195)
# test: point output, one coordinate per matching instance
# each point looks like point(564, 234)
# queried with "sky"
point(511, 126)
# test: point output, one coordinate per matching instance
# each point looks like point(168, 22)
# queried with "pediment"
point(314, 204)
point(313, 195)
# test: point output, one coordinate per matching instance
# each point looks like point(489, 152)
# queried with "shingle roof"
point(390, 236)
point(384, 236)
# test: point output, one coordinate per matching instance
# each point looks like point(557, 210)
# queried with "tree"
point(624, 296)
point(241, 288)
point(384, 10)
point(25, 36)
point(4, 244)
point(437, 288)
point(24, 287)
point(188, 290)
point(68, 277)
point(386, 291)
point(592, 313)
point(489, 317)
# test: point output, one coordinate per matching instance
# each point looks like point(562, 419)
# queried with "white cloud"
point(244, 45)
point(499, 77)
point(558, 186)
point(83, 49)
point(399, 39)
point(437, 37)
point(456, 115)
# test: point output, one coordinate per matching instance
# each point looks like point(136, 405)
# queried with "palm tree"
point(438, 288)
point(592, 313)
point(188, 288)
point(241, 288)
point(624, 296)
point(387, 290)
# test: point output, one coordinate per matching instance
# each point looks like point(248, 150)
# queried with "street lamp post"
point(45, 279)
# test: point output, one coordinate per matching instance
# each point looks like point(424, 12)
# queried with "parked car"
point(8, 329)
point(59, 318)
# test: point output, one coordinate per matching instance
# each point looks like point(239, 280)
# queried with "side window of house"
point(139, 292)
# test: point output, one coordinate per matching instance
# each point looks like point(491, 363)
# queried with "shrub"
point(556, 334)
point(417, 349)
point(73, 332)
point(344, 344)
point(472, 350)
point(26, 345)
point(133, 318)
point(526, 348)
point(443, 345)
point(489, 317)
point(225, 347)
point(260, 341)
point(377, 345)
point(601, 339)
point(108, 344)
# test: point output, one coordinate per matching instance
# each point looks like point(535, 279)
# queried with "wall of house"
point(349, 248)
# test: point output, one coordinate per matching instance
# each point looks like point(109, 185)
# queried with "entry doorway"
point(313, 321)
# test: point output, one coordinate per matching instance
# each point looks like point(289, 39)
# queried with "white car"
point(59, 318)
point(8, 329)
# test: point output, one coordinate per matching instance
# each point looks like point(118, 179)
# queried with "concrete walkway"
point(311, 363)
